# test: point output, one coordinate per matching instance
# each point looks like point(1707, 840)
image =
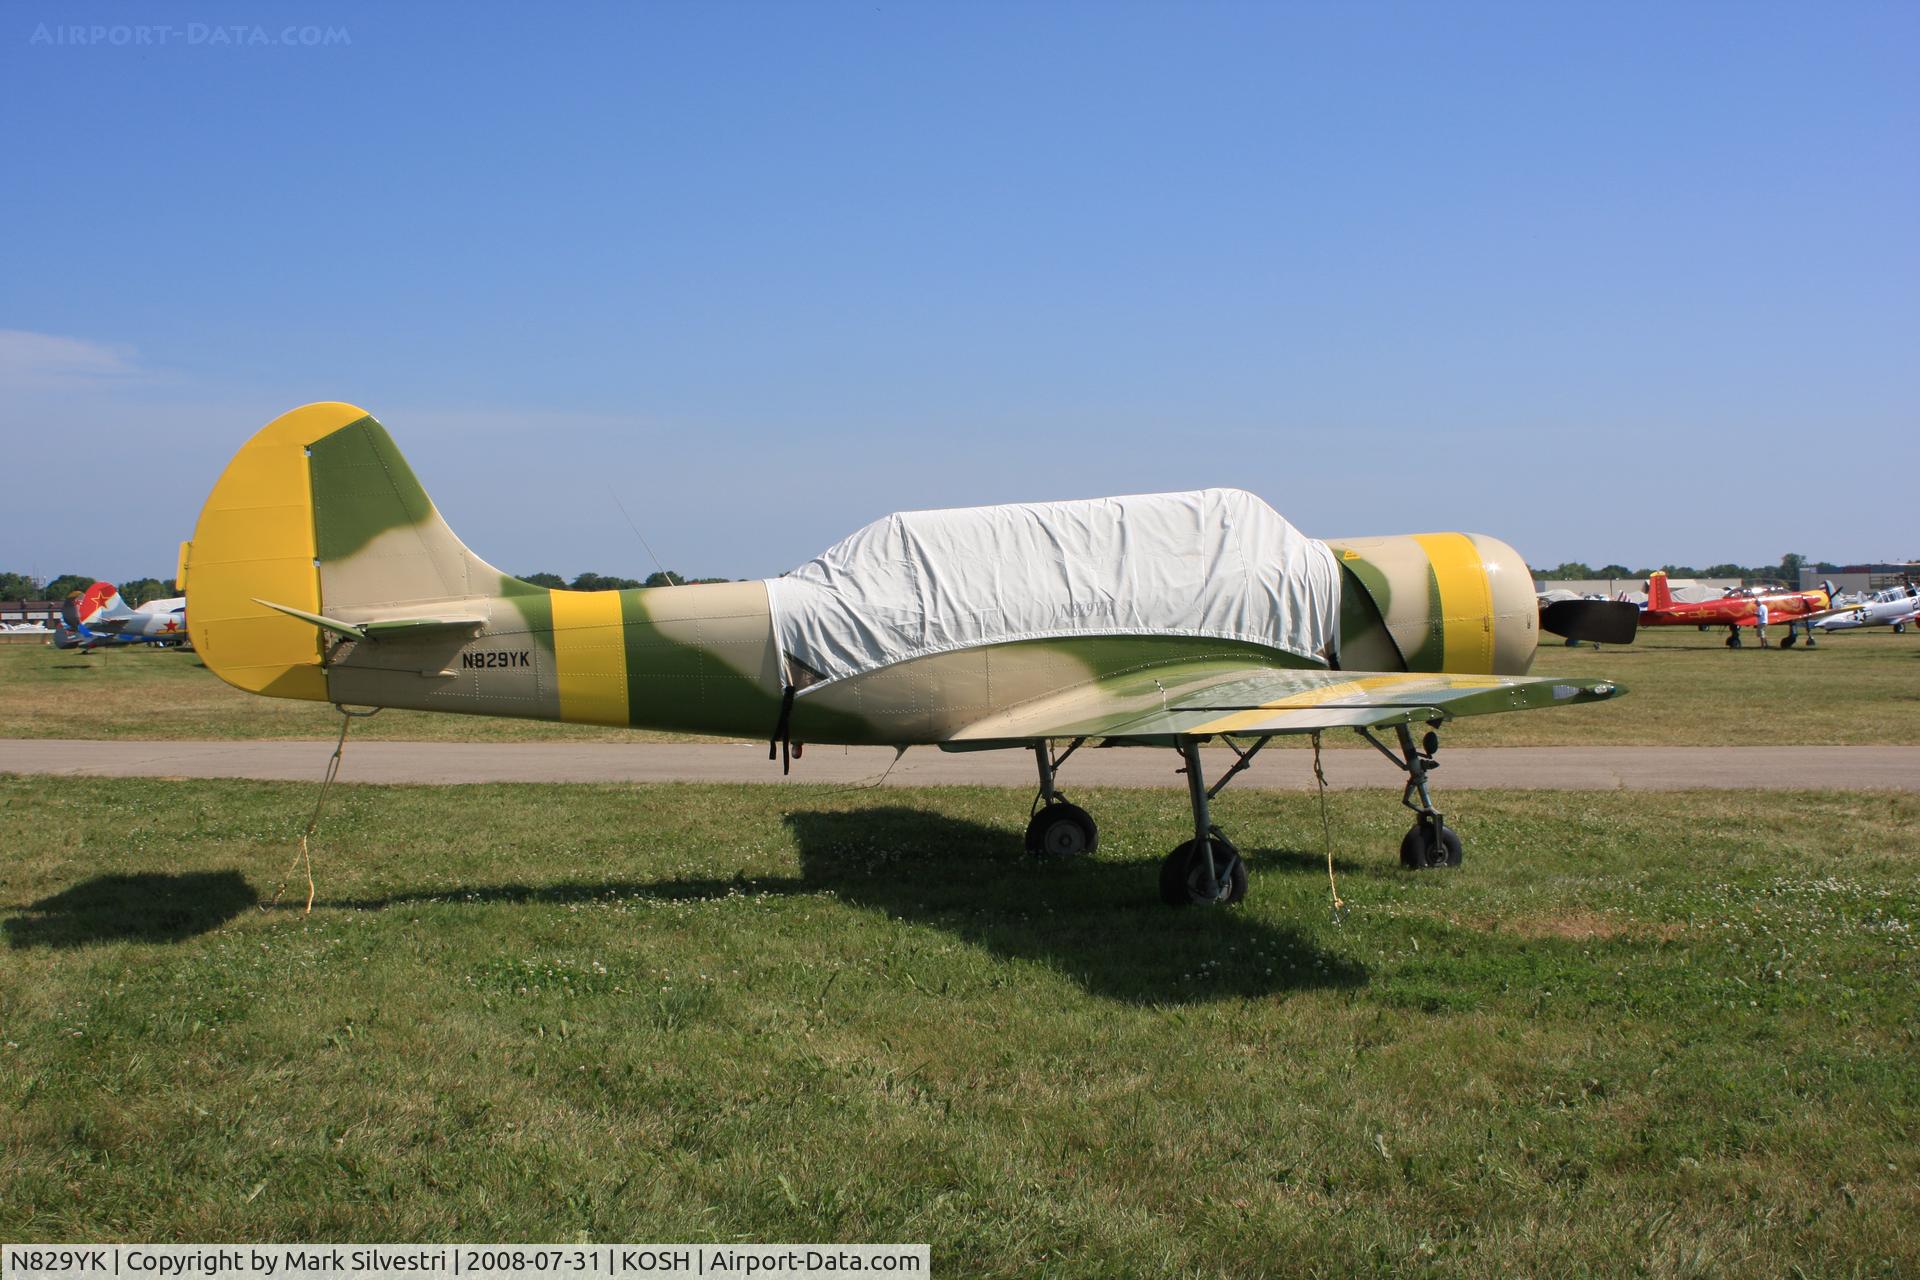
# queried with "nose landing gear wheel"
point(1422, 850)
point(1062, 831)
point(1183, 876)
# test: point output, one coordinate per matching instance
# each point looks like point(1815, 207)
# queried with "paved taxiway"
point(1551, 768)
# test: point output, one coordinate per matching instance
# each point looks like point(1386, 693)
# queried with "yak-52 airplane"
point(99, 618)
point(320, 569)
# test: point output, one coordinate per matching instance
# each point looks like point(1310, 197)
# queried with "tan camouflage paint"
point(703, 658)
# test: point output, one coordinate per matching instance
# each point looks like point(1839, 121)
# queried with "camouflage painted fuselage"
point(320, 513)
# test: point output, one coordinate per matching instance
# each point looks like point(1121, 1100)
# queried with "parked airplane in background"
point(99, 618)
point(1734, 610)
point(320, 569)
point(1894, 607)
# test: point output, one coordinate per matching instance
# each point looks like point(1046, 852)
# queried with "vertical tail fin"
point(98, 603)
point(82, 610)
point(320, 513)
point(1658, 596)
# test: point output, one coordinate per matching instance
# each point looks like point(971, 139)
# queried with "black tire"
point(1062, 831)
point(1418, 852)
point(1183, 874)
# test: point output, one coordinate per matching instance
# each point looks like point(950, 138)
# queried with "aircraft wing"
point(1214, 698)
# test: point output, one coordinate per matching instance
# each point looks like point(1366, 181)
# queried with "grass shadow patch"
point(147, 906)
point(567, 893)
point(1100, 923)
point(1302, 861)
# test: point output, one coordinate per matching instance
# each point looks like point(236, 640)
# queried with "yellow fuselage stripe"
point(590, 650)
point(1466, 601)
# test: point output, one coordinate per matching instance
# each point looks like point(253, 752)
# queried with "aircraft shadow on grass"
point(1100, 924)
point(150, 906)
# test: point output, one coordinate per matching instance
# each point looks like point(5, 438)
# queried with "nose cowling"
point(1455, 602)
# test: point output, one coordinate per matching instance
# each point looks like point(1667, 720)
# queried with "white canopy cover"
point(1218, 563)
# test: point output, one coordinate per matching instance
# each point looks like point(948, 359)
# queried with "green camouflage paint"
point(362, 487)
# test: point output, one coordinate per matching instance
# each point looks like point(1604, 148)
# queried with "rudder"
point(1658, 594)
point(319, 512)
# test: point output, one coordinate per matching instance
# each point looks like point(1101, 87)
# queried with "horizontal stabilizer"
point(1601, 621)
point(399, 628)
point(319, 620)
point(391, 629)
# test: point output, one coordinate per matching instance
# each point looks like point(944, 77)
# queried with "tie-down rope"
point(305, 854)
point(1326, 833)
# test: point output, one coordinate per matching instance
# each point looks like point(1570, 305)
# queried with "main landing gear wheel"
point(1062, 830)
point(1431, 843)
point(1422, 850)
point(1183, 876)
point(1206, 871)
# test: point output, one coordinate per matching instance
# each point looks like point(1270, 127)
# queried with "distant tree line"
point(1787, 571)
point(602, 582)
point(135, 591)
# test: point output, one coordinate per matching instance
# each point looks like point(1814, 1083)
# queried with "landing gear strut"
point(1431, 843)
point(1058, 829)
point(1206, 871)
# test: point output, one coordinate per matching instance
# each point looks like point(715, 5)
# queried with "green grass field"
point(1686, 689)
point(1665, 1035)
point(143, 692)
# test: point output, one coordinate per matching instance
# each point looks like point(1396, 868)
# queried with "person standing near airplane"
point(1760, 624)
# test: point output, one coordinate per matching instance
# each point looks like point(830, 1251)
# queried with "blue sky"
point(1610, 281)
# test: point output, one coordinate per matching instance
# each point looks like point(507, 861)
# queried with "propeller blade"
point(1601, 621)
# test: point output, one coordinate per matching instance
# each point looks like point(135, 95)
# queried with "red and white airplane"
point(99, 618)
point(1734, 610)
